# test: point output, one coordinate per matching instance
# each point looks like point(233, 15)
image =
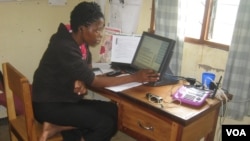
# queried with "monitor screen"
point(153, 52)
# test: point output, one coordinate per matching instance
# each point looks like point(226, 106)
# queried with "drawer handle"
point(145, 127)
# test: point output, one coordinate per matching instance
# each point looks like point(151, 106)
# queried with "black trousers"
point(95, 120)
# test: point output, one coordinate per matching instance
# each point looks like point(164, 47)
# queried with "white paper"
point(123, 48)
point(123, 86)
point(124, 15)
point(106, 44)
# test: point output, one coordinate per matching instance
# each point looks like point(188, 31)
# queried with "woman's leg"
point(50, 130)
point(107, 120)
point(96, 120)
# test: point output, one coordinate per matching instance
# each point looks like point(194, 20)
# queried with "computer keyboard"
point(130, 70)
point(123, 67)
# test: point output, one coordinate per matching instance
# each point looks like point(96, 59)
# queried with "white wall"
point(25, 31)
point(198, 59)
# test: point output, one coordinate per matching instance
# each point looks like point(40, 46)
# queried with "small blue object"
point(207, 78)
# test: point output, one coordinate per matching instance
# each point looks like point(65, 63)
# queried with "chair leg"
point(13, 137)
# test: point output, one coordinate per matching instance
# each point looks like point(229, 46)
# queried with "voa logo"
point(236, 132)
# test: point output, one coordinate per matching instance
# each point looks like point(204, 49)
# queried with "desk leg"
point(175, 132)
point(211, 135)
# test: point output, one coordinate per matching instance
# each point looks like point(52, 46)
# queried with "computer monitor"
point(155, 52)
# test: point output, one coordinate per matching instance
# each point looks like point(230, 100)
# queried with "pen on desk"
point(216, 88)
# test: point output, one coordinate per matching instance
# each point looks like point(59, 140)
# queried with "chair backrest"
point(17, 84)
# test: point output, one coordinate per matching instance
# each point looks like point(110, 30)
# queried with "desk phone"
point(191, 95)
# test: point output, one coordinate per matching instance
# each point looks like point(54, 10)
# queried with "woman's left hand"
point(80, 88)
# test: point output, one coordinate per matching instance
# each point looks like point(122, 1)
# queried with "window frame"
point(205, 30)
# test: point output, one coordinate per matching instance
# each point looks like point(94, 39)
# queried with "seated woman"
point(55, 99)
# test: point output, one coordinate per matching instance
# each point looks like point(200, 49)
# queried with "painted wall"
point(198, 59)
point(26, 27)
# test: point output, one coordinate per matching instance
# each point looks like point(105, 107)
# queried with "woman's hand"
point(147, 75)
point(80, 88)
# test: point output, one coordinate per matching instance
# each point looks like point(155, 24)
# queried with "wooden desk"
point(146, 121)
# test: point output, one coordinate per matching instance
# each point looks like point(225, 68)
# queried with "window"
point(211, 22)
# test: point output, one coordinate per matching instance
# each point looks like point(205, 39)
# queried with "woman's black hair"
point(85, 13)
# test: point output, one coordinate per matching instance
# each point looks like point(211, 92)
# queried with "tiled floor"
point(4, 133)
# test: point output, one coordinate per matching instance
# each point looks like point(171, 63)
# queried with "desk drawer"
point(139, 121)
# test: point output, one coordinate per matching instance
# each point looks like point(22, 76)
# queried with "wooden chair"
point(22, 127)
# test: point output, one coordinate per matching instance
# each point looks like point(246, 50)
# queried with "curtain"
point(237, 73)
point(168, 23)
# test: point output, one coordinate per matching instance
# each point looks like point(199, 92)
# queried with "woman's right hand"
point(146, 75)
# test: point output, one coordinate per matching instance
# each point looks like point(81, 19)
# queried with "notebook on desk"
point(153, 52)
